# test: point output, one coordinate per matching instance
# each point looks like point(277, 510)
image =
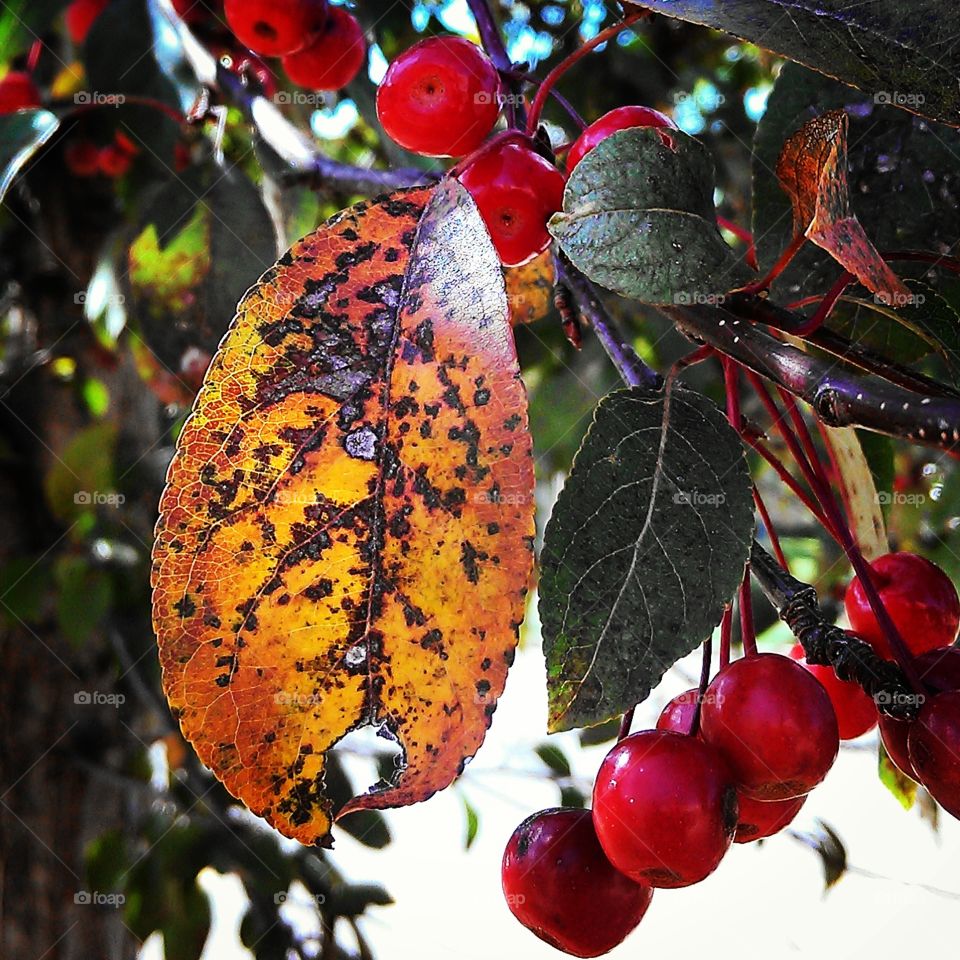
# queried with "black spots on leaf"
point(470, 560)
point(453, 499)
point(362, 253)
point(485, 663)
point(481, 397)
point(506, 449)
point(423, 340)
point(482, 688)
point(399, 525)
point(316, 292)
point(185, 607)
point(451, 395)
point(385, 292)
point(408, 238)
point(493, 529)
point(426, 429)
point(394, 207)
point(414, 616)
point(212, 620)
point(406, 406)
point(320, 590)
point(391, 255)
point(433, 640)
point(424, 488)
point(432, 409)
point(509, 655)
point(512, 422)
point(350, 234)
point(273, 334)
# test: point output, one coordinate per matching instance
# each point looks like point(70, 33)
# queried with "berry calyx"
point(18, 92)
point(664, 808)
point(920, 598)
point(82, 158)
point(933, 744)
point(516, 191)
point(939, 671)
point(80, 17)
point(622, 118)
point(773, 724)
point(333, 58)
point(440, 98)
point(856, 712)
point(275, 28)
point(559, 884)
point(760, 819)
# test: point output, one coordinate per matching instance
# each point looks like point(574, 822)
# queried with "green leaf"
point(472, 823)
point(905, 53)
point(638, 218)
point(554, 758)
point(84, 597)
point(22, 134)
point(646, 544)
point(899, 784)
point(22, 21)
point(81, 478)
point(901, 174)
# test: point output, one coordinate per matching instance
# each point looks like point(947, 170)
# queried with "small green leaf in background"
point(554, 758)
point(22, 134)
point(646, 545)
point(903, 53)
point(472, 823)
point(82, 477)
point(638, 218)
point(84, 597)
point(22, 21)
point(899, 784)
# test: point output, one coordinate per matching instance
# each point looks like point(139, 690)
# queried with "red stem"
point(760, 285)
point(748, 636)
point(626, 722)
point(702, 686)
point(827, 303)
point(726, 629)
point(948, 263)
point(536, 108)
point(771, 530)
point(741, 234)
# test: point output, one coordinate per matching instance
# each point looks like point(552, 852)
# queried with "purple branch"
point(490, 34)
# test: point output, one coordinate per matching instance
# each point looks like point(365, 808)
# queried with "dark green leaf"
point(22, 134)
point(638, 218)
point(646, 544)
point(84, 597)
point(602, 733)
point(554, 758)
point(352, 900)
point(904, 53)
point(81, 478)
point(368, 827)
point(572, 797)
point(901, 174)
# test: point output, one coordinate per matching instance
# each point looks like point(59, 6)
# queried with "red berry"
point(516, 191)
point(918, 595)
point(18, 92)
point(194, 11)
point(934, 747)
point(113, 161)
point(80, 17)
point(125, 144)
point(664, 808)
point(678, 714)
point(82, 158)
point(559, 884)
point(856, 712)
point(440, 98)
point(275, 28)
point(761, 818)
point(333, 58)
point(940, 671)
point(623, 118)
point(773, 724)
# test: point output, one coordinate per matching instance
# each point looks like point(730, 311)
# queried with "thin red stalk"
point(771, 530)
point(33, 57)
point(790, 480)
point(731, 382)
point(626, 722)
point(827, 303)
point(726, 629)
point(536, 108)
point(764, 282)
point(741, 234)
point(934, 259)
point(702, 686)
point(820, 482)
point(748, 636)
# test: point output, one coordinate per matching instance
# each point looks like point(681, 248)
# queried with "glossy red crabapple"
point(622, 118)
point(678, 714)
point(516, 191)
point(333, 58)
point(855, 710)
point(933, 744)
point(773, 724)
point(759, 819)
point(440, 98)
point(920, 598)
point(939, 671)
point(559, 884)
point(274, 28)
point(80, 17)
point(664, 808)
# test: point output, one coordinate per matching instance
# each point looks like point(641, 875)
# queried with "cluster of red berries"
point(737, 767)
point(85, 159)
point(442, 98)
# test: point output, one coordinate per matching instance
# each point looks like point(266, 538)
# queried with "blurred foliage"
point(113, 296)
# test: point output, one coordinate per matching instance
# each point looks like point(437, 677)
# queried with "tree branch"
point(826, 644)
point(839, 397)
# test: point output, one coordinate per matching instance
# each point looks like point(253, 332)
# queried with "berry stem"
point(626, 722)
point(769, 527)
point(745, 236)
point(703, 684)
point(748, 636)
point(948, 263)
point(726, 630)
point(490, 36)
point(827, 303)
point(536, 108)
point(764, 282)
